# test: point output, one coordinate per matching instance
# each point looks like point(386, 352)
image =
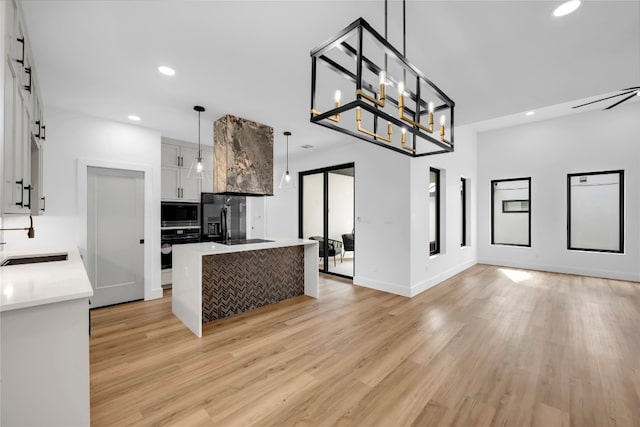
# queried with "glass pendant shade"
point(198, 169)
point(287, 181)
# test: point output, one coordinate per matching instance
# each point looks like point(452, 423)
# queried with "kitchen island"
point(212, 280)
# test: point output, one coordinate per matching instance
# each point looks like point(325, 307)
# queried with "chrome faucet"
point(31, 233)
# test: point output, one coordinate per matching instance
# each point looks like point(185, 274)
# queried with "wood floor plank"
point(490, 346)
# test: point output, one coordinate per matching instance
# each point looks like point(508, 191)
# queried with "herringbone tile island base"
point(236, 282)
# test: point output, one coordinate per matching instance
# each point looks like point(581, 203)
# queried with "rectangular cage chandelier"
point(388, 101)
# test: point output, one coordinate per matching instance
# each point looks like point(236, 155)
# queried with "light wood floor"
point(490, 346)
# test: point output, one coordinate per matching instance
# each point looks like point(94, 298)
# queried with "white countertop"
point(214, 248)
point(30, 285)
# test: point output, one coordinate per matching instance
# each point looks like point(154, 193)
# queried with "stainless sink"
point(34, 259)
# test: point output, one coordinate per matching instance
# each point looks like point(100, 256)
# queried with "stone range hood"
point(243, 157)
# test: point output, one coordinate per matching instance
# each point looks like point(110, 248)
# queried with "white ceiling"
point(251, 58)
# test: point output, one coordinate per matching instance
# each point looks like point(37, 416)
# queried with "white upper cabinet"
point(23, 123)
point(177, 160)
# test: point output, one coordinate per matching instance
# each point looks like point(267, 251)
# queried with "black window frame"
point(436, 247)
point(493, 214)
point(620, 211)
point(463, 208)
point(505, 204)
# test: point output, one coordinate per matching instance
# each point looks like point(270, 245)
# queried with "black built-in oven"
point(180, 223)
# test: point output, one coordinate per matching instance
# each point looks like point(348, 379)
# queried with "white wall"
point(74, 139)
point(2, 55)
point(391, 210)
point(382, 195)
point(427, 271)
point(547, 151)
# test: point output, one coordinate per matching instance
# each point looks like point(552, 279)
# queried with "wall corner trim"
point(430, 283)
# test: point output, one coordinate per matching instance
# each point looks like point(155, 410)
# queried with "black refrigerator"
point(212, 217)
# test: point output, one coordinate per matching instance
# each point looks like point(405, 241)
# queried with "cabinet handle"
point(39, 128)
point(28, 87)
point(44, 203)
point(21, 202)
point(178, 192)
point(43, 132)
point(21, 61)
point(28, 188)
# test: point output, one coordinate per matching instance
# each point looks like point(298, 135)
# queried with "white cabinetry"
point(45, 365)
point(177, 159)
point(22, 122)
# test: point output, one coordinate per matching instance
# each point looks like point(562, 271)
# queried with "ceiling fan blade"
point(620, 102)
point(604, 99)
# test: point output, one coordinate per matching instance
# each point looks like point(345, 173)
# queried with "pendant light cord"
point(199, 153)
point(386, 19)
point(404, 28)
point(287, 153)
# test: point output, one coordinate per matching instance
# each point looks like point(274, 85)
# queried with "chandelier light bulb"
point(404, 131)
point(442, 120)
point(383, 77)
point(400, 88)
point(337, 96)
point(430, 106)
point(287, 177)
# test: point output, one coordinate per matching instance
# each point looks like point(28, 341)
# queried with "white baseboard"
point(155, 293)
point(430, 283)
point(606, 274)
point(378, 285)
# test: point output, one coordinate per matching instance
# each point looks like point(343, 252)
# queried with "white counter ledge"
point(187, 272)
point(30, 285)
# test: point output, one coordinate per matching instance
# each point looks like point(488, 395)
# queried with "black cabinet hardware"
point(28, 87)
point(21, 61)
point(44, 203)
point(43, 132)
point(142, 241)
point(28, 188)
point(39, 128)
point(21, 202)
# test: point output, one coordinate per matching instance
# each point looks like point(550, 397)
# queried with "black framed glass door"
point(326, 214)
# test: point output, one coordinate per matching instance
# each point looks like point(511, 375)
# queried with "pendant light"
point(287, 180)
point(196, 165)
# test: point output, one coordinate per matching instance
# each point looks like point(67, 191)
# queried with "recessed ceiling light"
point(566, 8)
point(529, 113)
point(134, 118)
point(166, 70)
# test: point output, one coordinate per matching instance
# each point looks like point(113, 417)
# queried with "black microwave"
point(179, 214)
